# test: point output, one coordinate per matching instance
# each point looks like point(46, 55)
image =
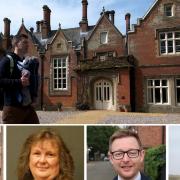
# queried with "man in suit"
point(126, 155)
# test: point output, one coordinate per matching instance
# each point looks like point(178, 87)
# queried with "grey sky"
point(174, 150)
point(69, 12)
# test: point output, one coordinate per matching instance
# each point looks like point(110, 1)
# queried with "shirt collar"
point(137, 177)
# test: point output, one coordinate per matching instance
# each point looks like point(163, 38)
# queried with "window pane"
point(177, 82)
point(163, 47)
point(63, 62)
point(170, 46)
point(168, 10)
point(177, 42)
point(103, 37)
point(97, 93)
point(64, 83)
point(164, 95)
point(178, 95)
point(108, 97)
point(150, 95)
point(150, 82)
point(105, 98)
point(164, 82)
point(177, 34)
point(169, 35)
point(55, 62)
point(162, 36)
point(55, 73)
point(157, 82)
point(157, 95)
point(55, 83)
point(59, 62)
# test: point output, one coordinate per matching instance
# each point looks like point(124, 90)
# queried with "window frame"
point(177, 87)
point(171, 11)
point(59, 87)
point(106, 38)
point(160, 87)
point(167, 40)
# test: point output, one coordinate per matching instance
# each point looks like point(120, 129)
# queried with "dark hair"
point(122, 134)
point(66, 165)
point(18, 38)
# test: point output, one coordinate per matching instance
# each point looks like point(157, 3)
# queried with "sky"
point(174, 150)
point(69, 12)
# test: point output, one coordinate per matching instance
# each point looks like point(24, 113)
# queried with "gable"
point(59, 44)
point(104, 25)
point(155, 16)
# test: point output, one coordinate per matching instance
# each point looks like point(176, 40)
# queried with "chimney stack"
point(38, 26)
point(47, 16)
point(127, 18)
point(46, 26)
point(112, 16)
point(84, 22)
point(6, 38)
point(7, 27)
point(32, 29)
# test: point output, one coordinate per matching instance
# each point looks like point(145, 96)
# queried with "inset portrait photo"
point(45, 152)
point(126, 152)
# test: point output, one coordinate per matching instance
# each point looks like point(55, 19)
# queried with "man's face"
point(127, 167)
point(23, 45)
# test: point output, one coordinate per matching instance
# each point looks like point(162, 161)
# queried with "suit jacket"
point(143, 177)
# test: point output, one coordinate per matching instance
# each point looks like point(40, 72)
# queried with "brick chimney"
point(31, 30)
point(7, 27)
point(38, 24)
point(6, 37)
point(127, 18)
point(46, 26)
point(112, 16)
point(84, 22)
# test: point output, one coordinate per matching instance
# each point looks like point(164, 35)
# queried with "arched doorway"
point(103, 94)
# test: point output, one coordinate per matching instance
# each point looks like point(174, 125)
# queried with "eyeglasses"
point(132, 153)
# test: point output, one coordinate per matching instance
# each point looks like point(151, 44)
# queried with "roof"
point(71, 34)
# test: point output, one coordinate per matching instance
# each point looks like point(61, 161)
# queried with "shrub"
point(155, 161)
point(82, 106)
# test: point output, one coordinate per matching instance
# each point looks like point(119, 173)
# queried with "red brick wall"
point(151, 136)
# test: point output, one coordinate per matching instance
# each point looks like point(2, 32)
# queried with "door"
point(103, 95)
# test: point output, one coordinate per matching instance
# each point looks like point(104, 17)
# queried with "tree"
point(98, 138)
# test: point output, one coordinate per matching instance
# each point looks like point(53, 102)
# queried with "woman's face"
point(44, 160)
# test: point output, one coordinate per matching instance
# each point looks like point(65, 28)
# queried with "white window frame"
point(161, 87)
point(166, 40)
point(177, 87)
point(101, 38)
point(171, 11)
point(59, 67)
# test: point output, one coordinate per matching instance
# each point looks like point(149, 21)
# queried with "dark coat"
point(10, 82)
point(143, 177)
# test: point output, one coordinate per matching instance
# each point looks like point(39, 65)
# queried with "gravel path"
point(143, 119)
point(105, 117)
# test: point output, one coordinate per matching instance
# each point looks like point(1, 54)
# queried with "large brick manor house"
point(139, 71)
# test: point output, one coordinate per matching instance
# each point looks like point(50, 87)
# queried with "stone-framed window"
point(60, 76)
point(168, 10)
point(103, 37)
point(169, 42)
point(158, 91)
point(178, 91)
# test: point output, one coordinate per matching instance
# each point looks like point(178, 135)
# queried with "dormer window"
point(168, 10)
point(103, 37)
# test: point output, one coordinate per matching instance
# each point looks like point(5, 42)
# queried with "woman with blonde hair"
point(44, 156)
